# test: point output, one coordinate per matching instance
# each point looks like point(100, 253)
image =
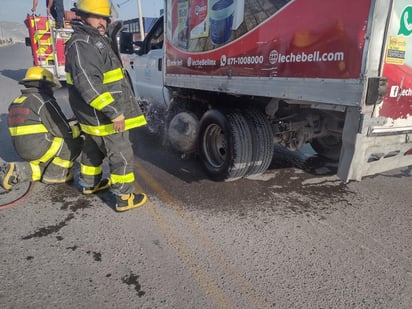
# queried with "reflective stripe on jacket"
point(34, 121)
point(98, 89)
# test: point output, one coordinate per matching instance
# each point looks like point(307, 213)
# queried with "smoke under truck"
point(228, 80)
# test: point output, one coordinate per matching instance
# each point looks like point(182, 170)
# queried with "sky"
point(17, 10)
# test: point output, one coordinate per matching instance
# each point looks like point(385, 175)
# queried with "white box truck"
point(229, 79)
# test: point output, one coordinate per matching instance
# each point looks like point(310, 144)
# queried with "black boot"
point(102, 185)
point(130, 201)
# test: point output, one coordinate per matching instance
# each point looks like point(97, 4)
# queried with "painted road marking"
point(208, 284)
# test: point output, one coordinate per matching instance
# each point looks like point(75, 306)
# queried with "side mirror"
point(138, 47)
point(126, 43)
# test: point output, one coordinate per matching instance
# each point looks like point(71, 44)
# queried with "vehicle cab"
point(143, 61)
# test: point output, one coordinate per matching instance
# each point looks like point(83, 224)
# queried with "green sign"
point(405, 27)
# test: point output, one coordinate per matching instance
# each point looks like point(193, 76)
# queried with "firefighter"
point(41, 134)
point(102, 99)
point(54, 8)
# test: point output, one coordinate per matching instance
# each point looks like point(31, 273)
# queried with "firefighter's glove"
point(119, 123)
point(75, 128)
point(75, 131)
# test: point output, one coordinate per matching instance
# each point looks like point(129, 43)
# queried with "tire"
point(262, 142)
point(328, 147)
point(225, 145)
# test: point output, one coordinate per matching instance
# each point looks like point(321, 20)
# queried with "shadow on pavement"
point(150, 148)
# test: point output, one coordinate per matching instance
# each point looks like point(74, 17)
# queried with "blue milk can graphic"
point(221, 20)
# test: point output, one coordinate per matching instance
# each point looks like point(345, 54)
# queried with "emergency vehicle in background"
point(47, 42)
point(230, 79)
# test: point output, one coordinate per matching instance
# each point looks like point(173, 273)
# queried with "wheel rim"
point(214, 145)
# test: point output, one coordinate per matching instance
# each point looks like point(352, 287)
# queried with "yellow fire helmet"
point(96, 7)
point(40, 74)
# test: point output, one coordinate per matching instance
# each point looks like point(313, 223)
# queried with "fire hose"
point(20, 199)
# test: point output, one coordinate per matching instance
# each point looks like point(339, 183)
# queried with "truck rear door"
point(380, 137)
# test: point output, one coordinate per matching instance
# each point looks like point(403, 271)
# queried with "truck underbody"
point(234, 135)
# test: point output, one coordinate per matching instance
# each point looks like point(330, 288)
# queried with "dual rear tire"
point(236, 144)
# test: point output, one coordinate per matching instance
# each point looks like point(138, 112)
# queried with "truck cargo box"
point(336, 74)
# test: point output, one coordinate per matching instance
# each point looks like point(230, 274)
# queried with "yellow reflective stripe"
point(122, 178)
point(34, 21)
point(62, 163)
point(29, 129)
point(102, 101)
point(109, 129)
point(20, 99)
point(54, 148)
point(35, 171)
point(108, 77)
point(90, 170)
point(69, 79)
point(75, 131)
point(112, 76)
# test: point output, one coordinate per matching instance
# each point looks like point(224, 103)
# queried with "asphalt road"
point(296, 237)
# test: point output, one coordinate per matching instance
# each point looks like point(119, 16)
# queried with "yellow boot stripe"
point(90, 170)
point(35, 171)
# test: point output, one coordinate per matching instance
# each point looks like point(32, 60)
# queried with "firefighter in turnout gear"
point(41, 134)
point(102, 99)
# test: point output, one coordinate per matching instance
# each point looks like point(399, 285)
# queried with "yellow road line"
point(248, 288)
point(207, 283)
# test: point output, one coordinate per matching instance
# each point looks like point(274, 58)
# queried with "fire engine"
point(47, 42)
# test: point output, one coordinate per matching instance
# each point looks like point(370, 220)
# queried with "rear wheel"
point(328, 146)
point(225, 145)
point(262, 142)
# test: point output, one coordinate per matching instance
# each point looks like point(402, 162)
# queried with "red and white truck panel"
point(241, 75)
